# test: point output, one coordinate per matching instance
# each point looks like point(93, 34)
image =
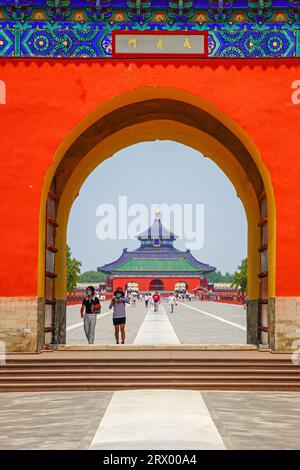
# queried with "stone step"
point(7, 372)
point(126, 385)
point(150, 363)
point(152, 378)
point(55, 371)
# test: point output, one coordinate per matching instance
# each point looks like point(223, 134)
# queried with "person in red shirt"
point(156, 300)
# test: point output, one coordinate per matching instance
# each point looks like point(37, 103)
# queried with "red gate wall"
point(46, 99)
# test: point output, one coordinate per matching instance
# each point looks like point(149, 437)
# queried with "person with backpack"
point(89, 309)
point(156, 300)
point(119, 313)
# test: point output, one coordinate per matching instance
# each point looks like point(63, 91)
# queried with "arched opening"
point(132, 287)
point(156, 285)
point(145, 115)
point(181, 287)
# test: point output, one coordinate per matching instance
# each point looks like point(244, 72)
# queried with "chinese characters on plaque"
point(163, 43)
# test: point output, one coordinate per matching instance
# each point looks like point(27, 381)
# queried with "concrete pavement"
point(156, 329)
point(190, 323)
point(150, 419)
point(154, 419)
point(158, 419)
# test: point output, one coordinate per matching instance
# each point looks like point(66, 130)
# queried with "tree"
point(217, 276)
point(240, 277)
point(227, 277)
point(73, 271)
point(92, 276)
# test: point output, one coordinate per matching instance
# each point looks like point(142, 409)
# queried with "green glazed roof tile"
point(143, 264)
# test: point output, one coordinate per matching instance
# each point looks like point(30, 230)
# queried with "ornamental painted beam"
point(75, 40)
point(151, 10)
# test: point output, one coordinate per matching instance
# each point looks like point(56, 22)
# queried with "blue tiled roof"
point(158, 254)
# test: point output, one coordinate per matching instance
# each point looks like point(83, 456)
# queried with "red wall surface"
point(144, 282)
point(46, 99)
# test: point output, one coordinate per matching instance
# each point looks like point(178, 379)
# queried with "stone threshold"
point(160, 347)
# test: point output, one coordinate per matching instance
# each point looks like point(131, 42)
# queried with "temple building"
point(156, 265)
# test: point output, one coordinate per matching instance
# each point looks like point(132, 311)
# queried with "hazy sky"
point(160, 172)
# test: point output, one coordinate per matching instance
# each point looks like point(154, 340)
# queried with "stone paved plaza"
point(190, 323)
point(157, 418)
point(150, 419)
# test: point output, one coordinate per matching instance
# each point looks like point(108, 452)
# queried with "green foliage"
point(73, 271)
point(217, 276)
point(240, 277)
point(92, 276)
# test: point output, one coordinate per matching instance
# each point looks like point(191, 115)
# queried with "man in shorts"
point(156, 300)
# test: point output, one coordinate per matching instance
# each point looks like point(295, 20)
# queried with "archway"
point(181, 287)
point(156, 284)
point(150, 114)
point(132, 287)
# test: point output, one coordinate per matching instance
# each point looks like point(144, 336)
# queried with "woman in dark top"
point(89, 309)
point(119, 313)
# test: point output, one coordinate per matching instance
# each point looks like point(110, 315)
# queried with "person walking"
point(146, 300)
point(133, 299)
point(172, 302)
point(156, 300)
point(89, 309)
point(119, 313)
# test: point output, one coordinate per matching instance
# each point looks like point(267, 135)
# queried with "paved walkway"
point(209, 323)
point(156, 329)
point(190, 323)
point(159, 419)
point(104, 328)
point(150, 419)
point(154, 419)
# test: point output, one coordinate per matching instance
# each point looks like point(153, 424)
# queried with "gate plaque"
point(187, 44)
